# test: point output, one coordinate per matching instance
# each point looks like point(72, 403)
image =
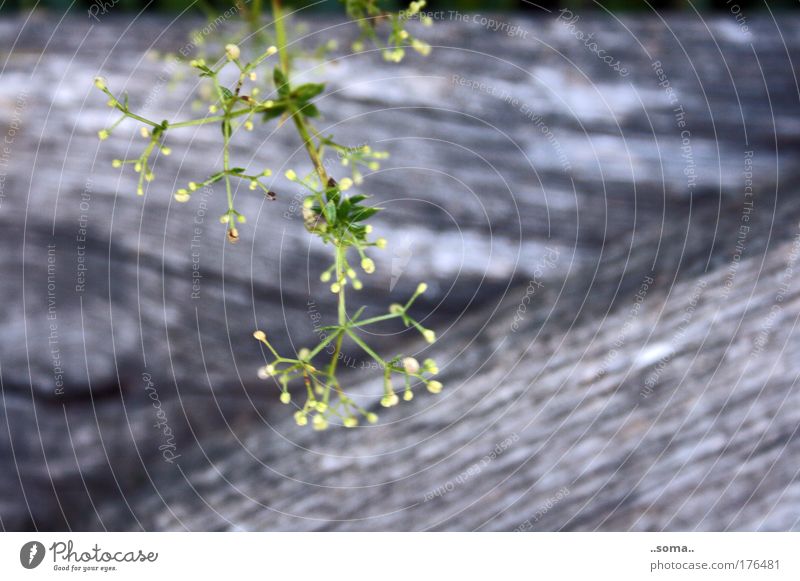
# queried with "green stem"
point(323, 344)
point(365, 347)
point(375, 320)
point(298, 118)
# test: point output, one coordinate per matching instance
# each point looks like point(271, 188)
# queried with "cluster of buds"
point(368, 15)
point(325, 399)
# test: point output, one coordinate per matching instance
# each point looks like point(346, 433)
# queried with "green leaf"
point(281, 84)
point(363, 213)
point(309, 110)
point(216, 177)
point(273, 112)
point(333, 195)
point(226, 93)
point(330, 212)
point(308, 91)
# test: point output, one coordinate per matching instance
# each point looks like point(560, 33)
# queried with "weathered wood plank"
point(667, 415)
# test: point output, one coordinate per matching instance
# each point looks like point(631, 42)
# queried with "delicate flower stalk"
point(336, 218)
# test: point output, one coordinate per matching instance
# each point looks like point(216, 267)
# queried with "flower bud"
point(357, 284)
point(395, 309)
point(232, 52)
point(266, 372)
point(435, 387)
point(430, 366)
point(320, 423)
point(103, 134)
point(345, 184)
point(116, 163)
point(381, 243)
point(389, 400)
point(290, 175)
point(286, 397)
point(233, 235)
point(271, 50)
point(144, 131)
point(368, 265)
point(325, 276)
point(350, 422)
point(429, 335)
point(422, 48)
point(411, 365)
point(192, 186)
point(300, 418)
point(408, 395)
point(181, 196)
point(336, 287)
point(260, 335)
point(372, 418)
point(303, 353)
point(421, 288)
point(100, 83)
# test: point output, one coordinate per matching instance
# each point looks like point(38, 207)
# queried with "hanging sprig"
point(336, 218)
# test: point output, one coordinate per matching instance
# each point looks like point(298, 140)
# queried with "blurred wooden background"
point(648, 383)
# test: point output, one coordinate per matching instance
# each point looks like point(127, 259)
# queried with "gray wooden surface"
point(649, 383)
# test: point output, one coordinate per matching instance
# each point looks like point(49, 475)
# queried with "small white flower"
point(232, 52)
point(411, 365)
